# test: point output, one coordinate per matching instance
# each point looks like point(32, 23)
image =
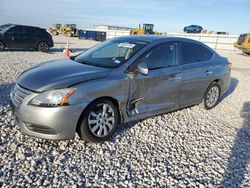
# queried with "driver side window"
point(162, 56)
point(15, 31)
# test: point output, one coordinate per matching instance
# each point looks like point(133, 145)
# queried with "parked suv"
point(19, 36)
point(193, 29)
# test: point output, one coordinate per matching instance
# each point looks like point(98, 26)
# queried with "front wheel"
point(99, 121)
point(211, 97)
point(43, 47)
point(1, 46)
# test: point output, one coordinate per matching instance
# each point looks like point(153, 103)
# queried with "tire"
point(211, 97)
point(69, 34)
point(43, 46)
point(94, 122)
point(54, 33)
point(2, 46)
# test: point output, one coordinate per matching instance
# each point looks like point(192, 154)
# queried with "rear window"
point(34, 31)
point(30, 30)
point(42, 32)
point(193, 53)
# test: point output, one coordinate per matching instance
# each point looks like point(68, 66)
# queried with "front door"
point(15, 37)
point(160, 88)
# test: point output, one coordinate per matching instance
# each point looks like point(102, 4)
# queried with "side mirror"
point(142, 68)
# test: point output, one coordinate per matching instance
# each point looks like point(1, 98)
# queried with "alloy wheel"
point(43, 47)
point(212, 96)
point(101, 120)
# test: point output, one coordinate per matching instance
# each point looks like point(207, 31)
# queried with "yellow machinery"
point(243, 43)
point(147, 29)
point(69, 30)
point(54, 29)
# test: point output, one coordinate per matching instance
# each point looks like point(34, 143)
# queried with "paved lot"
point(187, 148)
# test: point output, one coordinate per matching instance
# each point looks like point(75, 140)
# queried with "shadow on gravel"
point(240, 154)
point(233, 84)
point(4, 93)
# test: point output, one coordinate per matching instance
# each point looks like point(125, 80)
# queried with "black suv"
point(193, 29)
point(19, 36)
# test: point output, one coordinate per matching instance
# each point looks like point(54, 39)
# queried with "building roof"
point(116, 26)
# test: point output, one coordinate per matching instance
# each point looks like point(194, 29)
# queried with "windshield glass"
point(111, 53)
point(4, 28)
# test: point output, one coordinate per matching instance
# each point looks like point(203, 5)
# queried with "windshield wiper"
point(89, 63)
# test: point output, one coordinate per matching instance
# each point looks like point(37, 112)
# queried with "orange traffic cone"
point(67, 50)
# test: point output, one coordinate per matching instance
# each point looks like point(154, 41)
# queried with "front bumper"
point(53, 123)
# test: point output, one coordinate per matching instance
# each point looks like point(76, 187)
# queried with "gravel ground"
point(186, 148)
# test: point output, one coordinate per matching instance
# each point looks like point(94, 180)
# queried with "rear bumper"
point(54, 123)
point(51, 43)
point(225, 82)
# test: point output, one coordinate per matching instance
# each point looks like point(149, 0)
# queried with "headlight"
point(53, 98)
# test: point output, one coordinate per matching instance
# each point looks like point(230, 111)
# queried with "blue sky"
point(232, 16)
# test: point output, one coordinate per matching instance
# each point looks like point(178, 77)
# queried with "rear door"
point(160, 89)
point(30, 37)
point(197, 72)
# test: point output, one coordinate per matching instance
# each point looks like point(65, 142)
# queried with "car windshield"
point(4, 28)
point(111, 53)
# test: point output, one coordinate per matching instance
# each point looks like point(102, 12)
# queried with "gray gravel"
point(186, 148)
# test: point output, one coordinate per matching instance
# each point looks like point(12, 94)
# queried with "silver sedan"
point(117, 81)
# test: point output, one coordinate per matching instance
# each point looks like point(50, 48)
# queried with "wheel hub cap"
point(212, 96)
point(101, 120)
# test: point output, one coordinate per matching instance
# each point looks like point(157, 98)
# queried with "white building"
point(114, 31)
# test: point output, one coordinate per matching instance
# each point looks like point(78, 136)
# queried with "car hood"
point(59, 74)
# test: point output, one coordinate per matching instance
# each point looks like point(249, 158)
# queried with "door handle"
point(208, 72)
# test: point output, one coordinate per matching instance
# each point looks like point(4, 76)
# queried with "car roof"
point(147, 38)
point(26, 26)
point(151, 38)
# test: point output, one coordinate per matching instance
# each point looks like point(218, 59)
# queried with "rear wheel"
point(211, 97)
point(54, 33)
point(2, 46)
point(69, 34)
point(43, 47)
point(99, 121)
point(247, 53)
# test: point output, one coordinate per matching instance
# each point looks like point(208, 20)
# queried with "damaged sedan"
point(117, 81)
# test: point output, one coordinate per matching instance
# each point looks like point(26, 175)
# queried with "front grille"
point(19, 94)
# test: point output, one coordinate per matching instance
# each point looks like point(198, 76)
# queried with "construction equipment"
point(243, 43)
point(54, 29)
point(69, 30)
point(147, 29)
